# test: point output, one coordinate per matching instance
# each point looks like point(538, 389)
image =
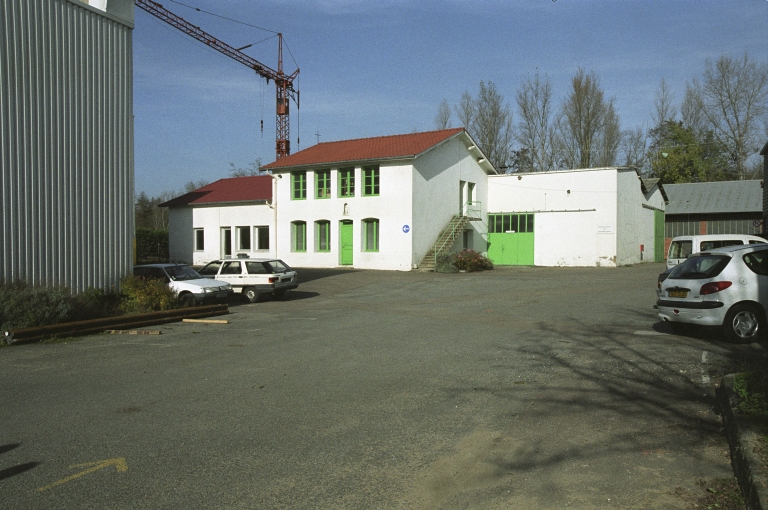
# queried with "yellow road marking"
point(119, 464)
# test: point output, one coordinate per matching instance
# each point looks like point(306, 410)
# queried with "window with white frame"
point(199, 239)
point(244, 238)
point(261, 238)
point(226, 242)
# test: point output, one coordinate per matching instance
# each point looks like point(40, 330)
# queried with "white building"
point(592, 217)
point(226, 217)
point(392, 202)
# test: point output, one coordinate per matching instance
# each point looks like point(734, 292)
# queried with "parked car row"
point(220, 279)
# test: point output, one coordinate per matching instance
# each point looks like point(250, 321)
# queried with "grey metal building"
point(727, 207)
point(66, 142)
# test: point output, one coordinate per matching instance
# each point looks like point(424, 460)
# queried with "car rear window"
point(699, 268)
point(255, 268)
point(710, 245)
point(680, 249)
point(277, 266)
point(757, 262)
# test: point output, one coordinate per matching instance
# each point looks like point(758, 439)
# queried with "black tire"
point(187, 300)
point(250, 294)
point(744, 323)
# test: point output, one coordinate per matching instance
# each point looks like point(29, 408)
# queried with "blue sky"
point(381, 67)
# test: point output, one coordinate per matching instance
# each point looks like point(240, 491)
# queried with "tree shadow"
point(15, 470)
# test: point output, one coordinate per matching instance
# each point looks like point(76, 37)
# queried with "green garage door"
point(510, 239)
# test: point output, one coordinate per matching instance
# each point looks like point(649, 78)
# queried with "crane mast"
point(285, 90)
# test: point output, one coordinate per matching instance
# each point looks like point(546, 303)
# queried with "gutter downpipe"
point(273, 205)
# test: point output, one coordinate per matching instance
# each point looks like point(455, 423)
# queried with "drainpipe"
point(273, 205)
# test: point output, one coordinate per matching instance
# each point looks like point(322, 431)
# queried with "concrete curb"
point(743, 435)
point(89, 327)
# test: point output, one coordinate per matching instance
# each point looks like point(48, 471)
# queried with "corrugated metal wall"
point(66, 144)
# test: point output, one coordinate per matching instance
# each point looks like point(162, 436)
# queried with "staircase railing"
point(469, 211)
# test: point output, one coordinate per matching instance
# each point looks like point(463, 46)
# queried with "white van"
point(682, 246)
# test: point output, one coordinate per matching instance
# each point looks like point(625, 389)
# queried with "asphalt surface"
point(513, 388)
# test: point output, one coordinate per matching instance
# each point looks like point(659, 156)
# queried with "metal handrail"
point(469, 209)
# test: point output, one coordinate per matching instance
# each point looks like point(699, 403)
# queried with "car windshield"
point(182, 273)
point(700, 267)
point(680, 249)
point(276, 266)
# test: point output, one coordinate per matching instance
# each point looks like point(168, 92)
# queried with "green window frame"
point(323, 184)
point(323, 236)
point(371, 234)
point(346, 182)
point(298, 185)
point(370, 181)
point(299, 236)
point(502, 223)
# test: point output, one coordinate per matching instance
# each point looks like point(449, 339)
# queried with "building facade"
point(66, 142)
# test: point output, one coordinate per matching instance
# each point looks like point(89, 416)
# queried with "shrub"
point(444, 264)
point(96, 304)
point(25, 306)
point(146, 295)
point(470, 260)
point(751, 387)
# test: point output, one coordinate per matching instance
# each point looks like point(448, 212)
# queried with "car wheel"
point(743, 323)
point(187, 300)
point(251, 294)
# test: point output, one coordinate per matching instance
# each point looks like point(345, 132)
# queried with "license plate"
point(678, 293)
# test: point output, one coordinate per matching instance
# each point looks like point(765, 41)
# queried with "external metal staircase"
point(469, 212)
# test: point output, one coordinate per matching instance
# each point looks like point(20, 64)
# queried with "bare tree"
point(690, 110)
point(254, 168)
point(633, 148)
point(732, 97)
point(588, 126)
point(465, 110)
point(443, 117)
point(664, 108)
point(535, 132)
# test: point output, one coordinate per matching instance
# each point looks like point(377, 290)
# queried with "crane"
point(283, 82)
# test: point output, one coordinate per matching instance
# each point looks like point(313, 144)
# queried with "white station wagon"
point(253, 278)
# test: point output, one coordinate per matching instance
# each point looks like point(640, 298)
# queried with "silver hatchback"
point(724, 287)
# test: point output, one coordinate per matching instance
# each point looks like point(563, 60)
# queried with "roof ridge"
point(392, 136)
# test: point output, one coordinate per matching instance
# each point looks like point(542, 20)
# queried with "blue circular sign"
point(406, 228)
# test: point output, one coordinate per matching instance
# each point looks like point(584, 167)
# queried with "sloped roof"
point(715, 197)
point(234, 189)
point(647, 185)
point(365, 149)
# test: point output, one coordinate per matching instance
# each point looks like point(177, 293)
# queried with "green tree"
point(677, 155)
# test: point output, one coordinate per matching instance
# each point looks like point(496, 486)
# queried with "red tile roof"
point(363, 149)
point(234, 189)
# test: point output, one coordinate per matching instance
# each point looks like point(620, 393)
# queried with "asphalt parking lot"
point(513, 388)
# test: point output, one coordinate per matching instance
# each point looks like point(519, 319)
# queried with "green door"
point(346, 243)
point(658, 236)
point(507, 249)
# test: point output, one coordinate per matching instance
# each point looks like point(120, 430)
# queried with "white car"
point(190, 287)
point(724, 287)
point(253, 278)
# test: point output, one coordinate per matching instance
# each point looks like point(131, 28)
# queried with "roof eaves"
point(307, 166)
point(219, 203)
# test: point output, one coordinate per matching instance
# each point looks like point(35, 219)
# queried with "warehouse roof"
point(235, 189)
point(715, 197)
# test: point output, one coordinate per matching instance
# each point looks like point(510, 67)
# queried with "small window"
point(757, 261)
point(211, 269)
point(255, 268)
point(322, 235)
point(323, 184)
point(298, 236)
point(510, 223)
point(226, 242)
point(261, 238)
point(371, 235)
point(244, 238)
point(346, 182)
point(199, 239)
point(298, 185)
point(680, 249)
point(370, 181)
point(231, 267)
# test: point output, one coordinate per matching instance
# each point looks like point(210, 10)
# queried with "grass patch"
point(751, 388)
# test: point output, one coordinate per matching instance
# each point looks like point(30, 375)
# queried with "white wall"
point(392, 207)
point(437, 198)
point(575, 213)
point(635, 221)
point(182, 221)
